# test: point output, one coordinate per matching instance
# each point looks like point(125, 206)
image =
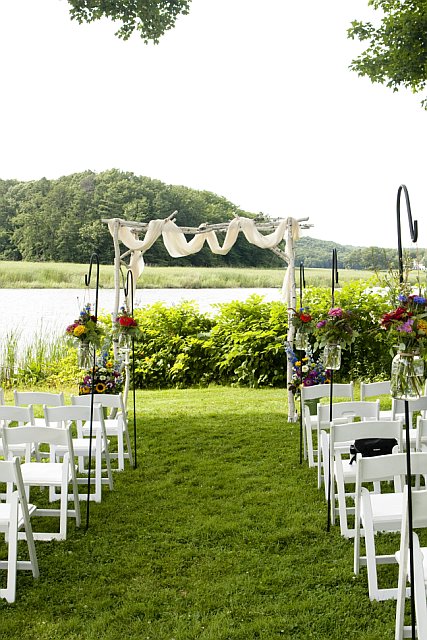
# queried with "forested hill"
point(60, 220)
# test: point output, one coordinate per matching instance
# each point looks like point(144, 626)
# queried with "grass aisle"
point(219, 534)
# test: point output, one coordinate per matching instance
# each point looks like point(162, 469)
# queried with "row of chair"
point(42, 452)
point(357, 490)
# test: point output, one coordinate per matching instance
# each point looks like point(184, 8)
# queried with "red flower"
point(395, 316)
point(127, 321)
point(305, 317)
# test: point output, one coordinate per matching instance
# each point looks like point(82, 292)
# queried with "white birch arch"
point(265, 235)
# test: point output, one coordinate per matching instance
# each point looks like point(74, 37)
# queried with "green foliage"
point(396, 54)
point(150, 18)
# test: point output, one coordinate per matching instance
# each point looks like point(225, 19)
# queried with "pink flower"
point(337, 312)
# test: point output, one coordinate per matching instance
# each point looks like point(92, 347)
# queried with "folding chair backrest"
point(108, 400)
point(339, 390)
point(347, 433)
point(35, 435)
point(21, 415)
point(349, 410)
point(374, 389)
point(416, 404)
point(75, 413)
point(23, 398)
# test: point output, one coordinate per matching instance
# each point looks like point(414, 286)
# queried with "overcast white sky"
point(253, 101)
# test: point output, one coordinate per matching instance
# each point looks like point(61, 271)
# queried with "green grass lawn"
point(219, 534)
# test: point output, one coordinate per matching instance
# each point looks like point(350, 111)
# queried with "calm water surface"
point(49, 311)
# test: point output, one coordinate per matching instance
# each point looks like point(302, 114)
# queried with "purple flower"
point(402, 298)
point(406, 327)
point(419, 300)
point(321, 324)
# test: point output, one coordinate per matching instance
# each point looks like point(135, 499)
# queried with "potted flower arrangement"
point(125, 327)
point(335, 332)
point(302, 320)
point(107, 377)
point(87, 334)
point(407, 328)
point(306, 372)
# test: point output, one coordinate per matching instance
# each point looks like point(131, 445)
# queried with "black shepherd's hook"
point(128, 287)
point(94, 258)
point(334, 281)
point(413, 227)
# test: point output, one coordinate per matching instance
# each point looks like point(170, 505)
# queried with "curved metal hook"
point(413, 226)
point(301, 282)
point(129, 287)
point(94, 258)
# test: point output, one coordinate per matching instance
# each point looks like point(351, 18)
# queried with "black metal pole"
point(94, 258)
point(129, 287)
point(301, 287)
point(413, 228)
point(334, 281)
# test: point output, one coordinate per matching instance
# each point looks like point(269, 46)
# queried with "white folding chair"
point(370, 390)
point(15, 515)
point(46, 474)
point(419, 520)
point(342, 412)
point(1, 395)
point(97, 446)
point(316, 392)
point(343, 472)
point(375, 512)
point(415, 405)
point(38, 399)
point(116, 424)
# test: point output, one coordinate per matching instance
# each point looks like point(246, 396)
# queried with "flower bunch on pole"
point(85, 329)
point(337, 328)
point(407, 324)
point(125, 325)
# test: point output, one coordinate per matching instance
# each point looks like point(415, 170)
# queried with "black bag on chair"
point(370, 447)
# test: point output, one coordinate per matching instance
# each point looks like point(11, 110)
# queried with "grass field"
point(219, 534)
point(49, 275)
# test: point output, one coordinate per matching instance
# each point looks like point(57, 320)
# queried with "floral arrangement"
point(86, 329)
point(306, 372)
point(302, 320)
point(407, 324)
point(108, 377)
point(125, 325)
point(336, 328)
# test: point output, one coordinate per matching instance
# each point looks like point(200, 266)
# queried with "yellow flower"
point(298, 363)
point(79, 330)
point(84, 389)
point(100, 387)
point(422, 326)
point(109, 364)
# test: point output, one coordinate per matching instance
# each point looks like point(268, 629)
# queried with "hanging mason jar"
point(84, 355)
point(301, 341)
point(125, 342)
point(332, 356)
point(407, 376)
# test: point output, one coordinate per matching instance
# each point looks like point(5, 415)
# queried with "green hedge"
point(243, 343)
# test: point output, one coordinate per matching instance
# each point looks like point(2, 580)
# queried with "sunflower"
point(100, 387)
point(84, 389)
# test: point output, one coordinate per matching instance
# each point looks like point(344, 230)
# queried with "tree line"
point(61, 221)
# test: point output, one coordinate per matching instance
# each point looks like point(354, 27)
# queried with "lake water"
point(49, 311)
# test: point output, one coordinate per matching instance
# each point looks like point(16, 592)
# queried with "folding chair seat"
point(316, 392)
point(342, 412)
point(415, 405)
point(370, 390)
point(46, 474)
point(419, 520)
point(343, 472)
point(116, 424)
point(15, 515)
point(380, 512)
point(96, 447)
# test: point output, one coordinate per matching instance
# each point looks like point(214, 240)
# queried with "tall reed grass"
point(49, 275)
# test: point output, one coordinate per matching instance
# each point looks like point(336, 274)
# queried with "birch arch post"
point(174, 238)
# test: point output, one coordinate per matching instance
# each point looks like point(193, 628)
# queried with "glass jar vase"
point(125, 342)
point(407, 376)
point(300, 341)
point(85, 355)
point(332, 356)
